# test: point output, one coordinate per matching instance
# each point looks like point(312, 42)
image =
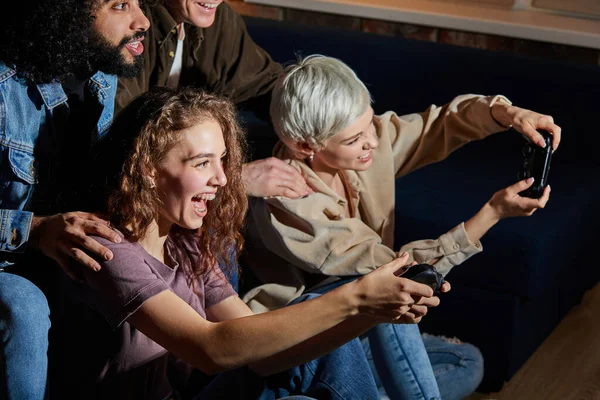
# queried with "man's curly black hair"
point(48, 40)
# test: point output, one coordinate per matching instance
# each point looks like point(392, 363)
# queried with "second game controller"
point(426, 274)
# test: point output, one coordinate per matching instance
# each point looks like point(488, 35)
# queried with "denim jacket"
point(27, 128)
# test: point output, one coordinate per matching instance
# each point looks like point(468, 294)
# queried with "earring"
point(310, 158)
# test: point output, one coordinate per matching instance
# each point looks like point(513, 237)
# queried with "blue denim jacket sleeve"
point(26, 111)
point(14, 229)
point(20, 120)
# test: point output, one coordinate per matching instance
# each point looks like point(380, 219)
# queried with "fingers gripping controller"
point(536, 164)
point(426, 274)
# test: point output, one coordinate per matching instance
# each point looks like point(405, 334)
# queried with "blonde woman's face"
point(190, 176)
point(351, 148)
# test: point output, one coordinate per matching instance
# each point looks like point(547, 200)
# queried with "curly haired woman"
point(168, 322)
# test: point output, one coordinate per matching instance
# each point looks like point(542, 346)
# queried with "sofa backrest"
point(407, 76)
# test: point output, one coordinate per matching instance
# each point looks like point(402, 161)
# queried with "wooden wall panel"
point(585, 7)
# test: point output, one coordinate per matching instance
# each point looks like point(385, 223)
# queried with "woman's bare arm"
point(278, 340)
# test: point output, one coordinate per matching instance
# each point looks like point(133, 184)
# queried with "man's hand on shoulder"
point(273, 177)
point(64, 238)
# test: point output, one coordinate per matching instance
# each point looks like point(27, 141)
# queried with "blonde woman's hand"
point(507, 202)
point(527, 122)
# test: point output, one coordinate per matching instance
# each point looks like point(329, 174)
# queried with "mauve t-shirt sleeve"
point(123, 284)
point(216, 287)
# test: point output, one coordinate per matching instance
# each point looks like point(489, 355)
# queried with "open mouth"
point(135, 47)
point(199, 202)
point(208, 6)
point(366, 157)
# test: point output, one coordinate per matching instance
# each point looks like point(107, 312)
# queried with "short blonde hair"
point(315, 99)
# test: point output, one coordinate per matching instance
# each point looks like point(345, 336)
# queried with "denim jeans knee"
point(458, 367)
point(24, 325)
point(399, 359)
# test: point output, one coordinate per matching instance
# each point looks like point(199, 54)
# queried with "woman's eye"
point(354, 140)
point(120, 6)
point(201, 165)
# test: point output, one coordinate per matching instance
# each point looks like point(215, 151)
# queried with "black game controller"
point(537, 165)
point(426, 274)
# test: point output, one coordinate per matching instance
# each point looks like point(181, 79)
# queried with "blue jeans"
point(406, 365)
point(24, 325)
point(231, 270)
point(399, 362)
point(342, 374)
point(458, 367)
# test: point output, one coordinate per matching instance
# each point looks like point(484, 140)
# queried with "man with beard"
point(58, 64)
point(206, 44)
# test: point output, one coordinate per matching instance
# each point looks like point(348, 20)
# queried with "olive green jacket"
point(222, 58)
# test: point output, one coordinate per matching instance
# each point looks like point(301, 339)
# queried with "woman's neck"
point(328, 175)
point(154, 240)
point(332, 178)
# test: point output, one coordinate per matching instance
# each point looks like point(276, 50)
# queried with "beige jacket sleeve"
point(445, 252)
point(424, 138)
point(311, 236)
point(310, 239)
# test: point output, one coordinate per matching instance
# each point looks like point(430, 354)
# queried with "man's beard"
point(109, 58)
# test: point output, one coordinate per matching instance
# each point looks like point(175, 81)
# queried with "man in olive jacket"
point(207, 45)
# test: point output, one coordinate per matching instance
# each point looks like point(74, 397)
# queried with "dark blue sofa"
point(533, 270)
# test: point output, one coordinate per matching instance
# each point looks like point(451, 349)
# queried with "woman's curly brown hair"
point(139, 139)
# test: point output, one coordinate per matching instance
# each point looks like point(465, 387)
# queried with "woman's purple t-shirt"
point(121, 287)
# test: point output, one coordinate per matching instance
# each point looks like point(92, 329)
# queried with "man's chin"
point(124, 69)
point(130, 70)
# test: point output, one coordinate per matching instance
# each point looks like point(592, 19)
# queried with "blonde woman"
point(350, 157)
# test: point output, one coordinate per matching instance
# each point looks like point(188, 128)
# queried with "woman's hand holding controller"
point(527, 122)
point(507, 202)
point(387, 297)
point(504, 204)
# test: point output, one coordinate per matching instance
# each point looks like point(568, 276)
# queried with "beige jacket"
point(294, 244)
